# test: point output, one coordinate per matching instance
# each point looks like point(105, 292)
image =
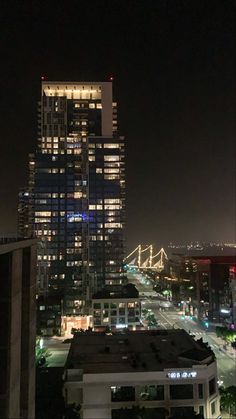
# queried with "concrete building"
point(165, 371)
point(17, 328)
point(76, 189)
point(116, 308)
point(206, 285)
point(215, 283)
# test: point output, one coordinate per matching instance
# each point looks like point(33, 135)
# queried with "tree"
point(228, 335)
point(41, 353)
point(228, 399)
point(233, 344)
point(72, 411)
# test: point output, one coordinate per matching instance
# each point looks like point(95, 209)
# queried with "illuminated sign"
point(182, 374)
point(77, 217)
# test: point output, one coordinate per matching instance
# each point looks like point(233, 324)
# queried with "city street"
point(226, 363)
point(170, 318)
point(58, 350)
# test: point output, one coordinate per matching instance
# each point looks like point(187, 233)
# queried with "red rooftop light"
point(42, 77)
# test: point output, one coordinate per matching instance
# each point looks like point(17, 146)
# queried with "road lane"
point(226, 364)
point(172, 319)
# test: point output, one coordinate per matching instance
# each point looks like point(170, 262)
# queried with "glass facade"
point(76, 192)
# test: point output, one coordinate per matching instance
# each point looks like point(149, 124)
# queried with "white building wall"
point(97, 391)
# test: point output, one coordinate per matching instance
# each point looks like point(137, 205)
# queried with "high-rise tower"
point(76, 191)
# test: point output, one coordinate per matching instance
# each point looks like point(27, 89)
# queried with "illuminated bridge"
point(142, 257)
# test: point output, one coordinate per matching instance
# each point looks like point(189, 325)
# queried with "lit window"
point(111, 145)
point(111, 177)
point(112, 201)
point(113, 225)
point(111, 158)
point(98, 170)
point(112, 207)
point(43, 213)
point(92, 105)
point(111, 170)
point(99, 106)
point(78, 194)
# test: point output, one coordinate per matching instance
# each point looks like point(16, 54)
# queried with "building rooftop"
point(125, 291)
point(208, 259)
point(136, 351)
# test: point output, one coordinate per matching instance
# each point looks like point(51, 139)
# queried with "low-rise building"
point(116, 308)
point(165, 371)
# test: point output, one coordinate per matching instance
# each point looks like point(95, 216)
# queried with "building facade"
point(76, 192)
point(164, 371)
point(18, 264)
point(23, 220)
point(116, 308)
point(206, 286)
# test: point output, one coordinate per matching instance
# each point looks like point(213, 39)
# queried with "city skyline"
point(173, 81)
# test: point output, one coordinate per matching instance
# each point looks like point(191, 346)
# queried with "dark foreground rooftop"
point(154, 350)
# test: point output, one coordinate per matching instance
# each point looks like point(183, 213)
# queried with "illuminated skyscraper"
point(76, 191)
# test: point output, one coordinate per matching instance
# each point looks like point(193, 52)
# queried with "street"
point(58, 350)
point(168, 318)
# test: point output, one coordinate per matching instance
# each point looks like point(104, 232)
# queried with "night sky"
point(174, 80)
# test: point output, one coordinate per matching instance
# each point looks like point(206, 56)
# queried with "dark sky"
point(174, 69)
